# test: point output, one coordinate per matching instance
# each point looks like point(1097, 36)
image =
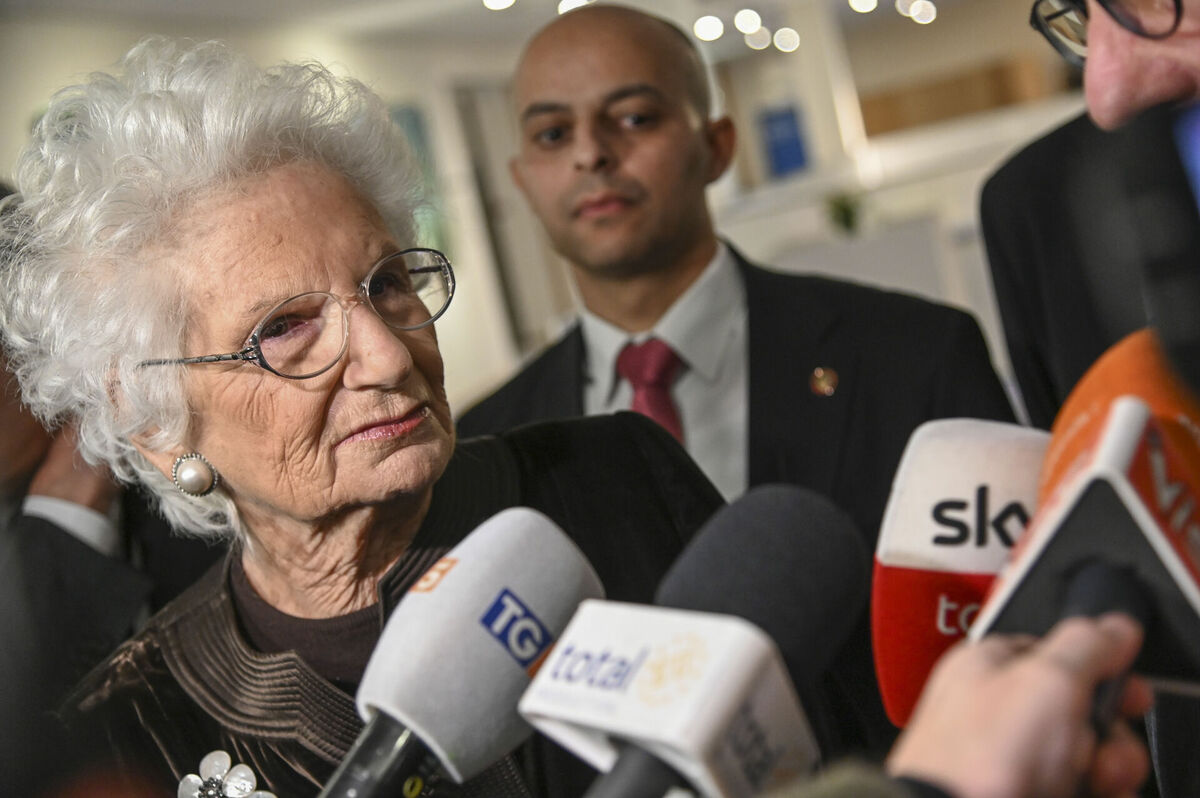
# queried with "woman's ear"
point(163, 460)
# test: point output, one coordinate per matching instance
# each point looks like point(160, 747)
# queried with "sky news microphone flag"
point(963, 493)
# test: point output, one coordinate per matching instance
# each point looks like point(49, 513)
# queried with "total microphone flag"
point(707, 694)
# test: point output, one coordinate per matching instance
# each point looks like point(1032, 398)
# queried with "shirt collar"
point(696, 326)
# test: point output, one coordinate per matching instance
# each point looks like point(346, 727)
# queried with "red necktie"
point(651, 368)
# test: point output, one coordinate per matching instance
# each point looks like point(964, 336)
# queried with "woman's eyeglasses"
point(307, 334)
point(1064, 22)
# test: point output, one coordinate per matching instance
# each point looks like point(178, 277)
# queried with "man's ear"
point(514, 169)
point(721, 136)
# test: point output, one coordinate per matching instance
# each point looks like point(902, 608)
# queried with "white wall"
point(899, 52)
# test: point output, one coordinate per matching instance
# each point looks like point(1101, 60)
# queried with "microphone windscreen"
point(461, 647)
point(780, 557)
point(963, 493)
point(1135, 365)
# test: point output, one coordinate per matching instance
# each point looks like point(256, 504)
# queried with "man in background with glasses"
point(1054, 218)
point(1068, 273)
point(1135, 53)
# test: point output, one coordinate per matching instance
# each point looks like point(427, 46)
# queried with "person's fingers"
point(1137, 697)
point(1075, 645)
point(1120, 765)
point(995, 650)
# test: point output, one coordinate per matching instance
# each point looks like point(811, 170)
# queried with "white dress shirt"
point(707, 328)
point(93, 528)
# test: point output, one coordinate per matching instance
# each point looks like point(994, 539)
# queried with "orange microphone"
point(1118, 521)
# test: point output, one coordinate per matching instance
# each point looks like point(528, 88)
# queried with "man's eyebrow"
point(633, 90)
point(616, 95)
point(536, 109)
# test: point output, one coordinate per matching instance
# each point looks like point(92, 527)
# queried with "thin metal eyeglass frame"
point(1040, 23)
point(253, 352)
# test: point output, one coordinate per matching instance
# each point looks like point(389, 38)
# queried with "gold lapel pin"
point(823, 381)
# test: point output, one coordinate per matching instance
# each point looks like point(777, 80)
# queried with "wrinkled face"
point(614, 158)
point(1126, 74)
point(375, 426)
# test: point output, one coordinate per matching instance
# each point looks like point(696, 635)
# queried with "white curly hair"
point(112, 169)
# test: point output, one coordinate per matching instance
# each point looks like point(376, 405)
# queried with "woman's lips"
point(390, 428)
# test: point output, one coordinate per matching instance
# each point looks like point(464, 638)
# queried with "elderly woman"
point(216, 277)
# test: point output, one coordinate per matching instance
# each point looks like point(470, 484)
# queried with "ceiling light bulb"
point(708, 28)
point(747, 20)
point(570, 5)
point(923, 11)
point(759, 39)
point(787, 40)
point(497, 5)
point(904, 7)
point(864, 6)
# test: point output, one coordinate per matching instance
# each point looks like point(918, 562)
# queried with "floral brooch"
point(218, 779)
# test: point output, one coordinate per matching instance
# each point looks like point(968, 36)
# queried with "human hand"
point(1010, 716)
point(63, 474)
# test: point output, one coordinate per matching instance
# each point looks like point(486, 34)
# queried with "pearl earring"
point(194, 475)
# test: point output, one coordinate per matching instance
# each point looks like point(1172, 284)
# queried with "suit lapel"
point(796, 432)
point(561, 381)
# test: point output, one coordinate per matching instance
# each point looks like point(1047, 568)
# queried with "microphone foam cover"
point(1134, 365)
point(780, 557)
point(461, 647)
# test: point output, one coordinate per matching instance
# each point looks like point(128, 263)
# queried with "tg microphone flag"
point(442, 685)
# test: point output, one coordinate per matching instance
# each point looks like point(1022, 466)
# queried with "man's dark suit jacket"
point(1063, 260)
point(64, 607)
point(899, 361)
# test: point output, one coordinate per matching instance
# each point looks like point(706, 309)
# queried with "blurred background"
point(865, 132)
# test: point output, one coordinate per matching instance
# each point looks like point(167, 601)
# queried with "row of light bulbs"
point(920, 11)
point(749, 23)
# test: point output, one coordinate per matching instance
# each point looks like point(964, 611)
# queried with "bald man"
point(779, 378)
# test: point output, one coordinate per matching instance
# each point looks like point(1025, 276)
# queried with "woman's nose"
point(377, 356)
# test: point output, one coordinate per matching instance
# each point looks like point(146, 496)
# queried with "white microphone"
point(442, 685)
point(707, 694)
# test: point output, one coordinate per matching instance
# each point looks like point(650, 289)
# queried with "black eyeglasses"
point(1064, 22)
point(307, 334)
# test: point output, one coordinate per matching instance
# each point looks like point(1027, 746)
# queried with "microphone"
point(441, 688)
point(683, 694)
point(962, 495)
point(1117, 526)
